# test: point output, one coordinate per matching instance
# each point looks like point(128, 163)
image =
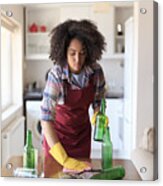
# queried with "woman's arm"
point(99, 85)
point(49, 133)
point(49, 100)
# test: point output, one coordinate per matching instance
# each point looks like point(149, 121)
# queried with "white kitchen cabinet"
point(38, 43)
point(103, 20)
point(77, 12)
point(106, 15)
point(129, 87)
point(105, 24)
point(114, 111)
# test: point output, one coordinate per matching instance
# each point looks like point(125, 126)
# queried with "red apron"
point(72, 123)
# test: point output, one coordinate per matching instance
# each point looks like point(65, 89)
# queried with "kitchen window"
point(6, 67)
point(11, 68)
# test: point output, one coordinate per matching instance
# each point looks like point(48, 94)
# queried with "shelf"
point(114, 56)
point(38, 46)
point(120, 37)
point(37, 57)
point(38, 33)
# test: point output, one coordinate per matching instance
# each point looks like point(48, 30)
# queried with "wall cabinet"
point(37, 43)
point(103, 20)
point(76, 12)
point(105, 23)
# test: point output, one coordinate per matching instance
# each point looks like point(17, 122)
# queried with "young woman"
point(75, 81)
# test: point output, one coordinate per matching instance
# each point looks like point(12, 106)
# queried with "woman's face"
point(76, 54)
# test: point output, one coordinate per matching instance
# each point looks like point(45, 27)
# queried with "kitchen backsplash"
point(35, 71)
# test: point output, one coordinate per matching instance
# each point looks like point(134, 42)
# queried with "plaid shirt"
point(54, 92)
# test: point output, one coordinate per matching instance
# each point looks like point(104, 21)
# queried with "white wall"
point(17, 11)
point(144, 46)
point(36, 71)
point(113, 71)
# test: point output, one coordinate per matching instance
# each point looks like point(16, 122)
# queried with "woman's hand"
point(69, 164)
point(93, 119)
point(59, 154)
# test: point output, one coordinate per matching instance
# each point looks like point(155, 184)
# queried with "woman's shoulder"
point(56, 71)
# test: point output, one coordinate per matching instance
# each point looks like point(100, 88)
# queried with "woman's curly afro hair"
point(83, 30)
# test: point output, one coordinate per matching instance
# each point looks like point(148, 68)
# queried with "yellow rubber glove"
point(107, 121)
point(60, 155)
point(93, 119)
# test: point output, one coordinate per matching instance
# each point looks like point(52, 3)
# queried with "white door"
point(128, 85)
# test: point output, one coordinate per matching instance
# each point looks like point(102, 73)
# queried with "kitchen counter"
point(52, 169)
point(34, 94)
point(114, 95)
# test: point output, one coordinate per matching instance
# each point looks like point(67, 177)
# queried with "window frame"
point(11, 72)
point(16, 107)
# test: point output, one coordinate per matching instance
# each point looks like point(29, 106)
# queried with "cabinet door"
point(95, 146)
point(105, 24)
point(114, 112)
point(129, 87)
point(74, 12)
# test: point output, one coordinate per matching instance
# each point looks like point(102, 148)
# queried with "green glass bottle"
point(107, 149)
point(29, 152)
point(115, 173)
point(100, 122)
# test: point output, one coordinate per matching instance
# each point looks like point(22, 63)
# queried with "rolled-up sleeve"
point(50, 96)
point(99, 83)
